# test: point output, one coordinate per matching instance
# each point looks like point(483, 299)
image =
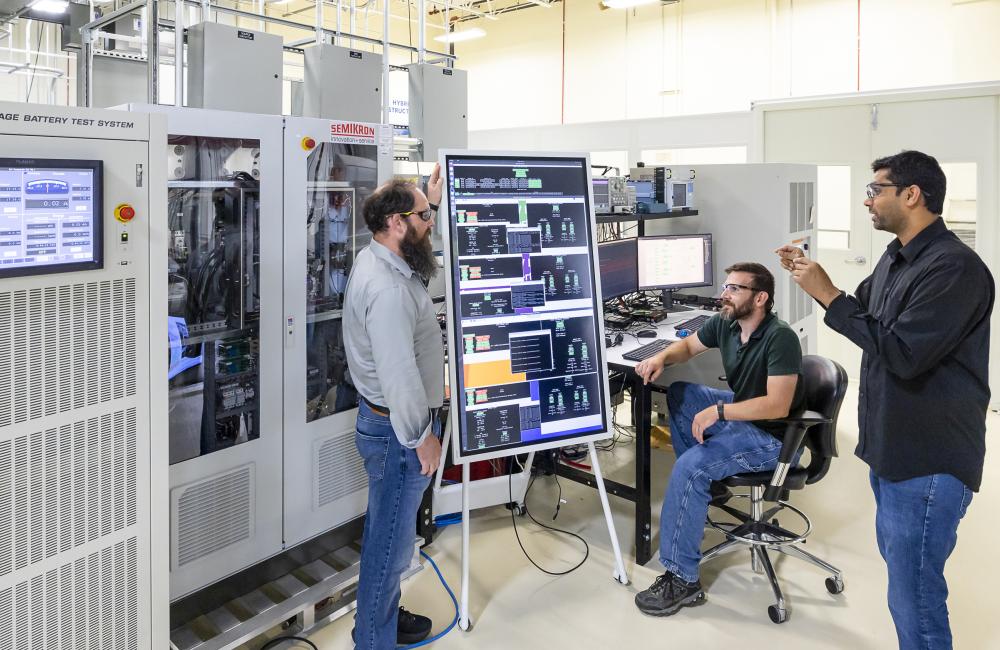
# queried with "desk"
point(704, 371)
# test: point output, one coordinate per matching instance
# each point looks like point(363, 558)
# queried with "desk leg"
point(643, 514)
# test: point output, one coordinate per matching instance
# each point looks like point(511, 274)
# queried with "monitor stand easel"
point(619, 574)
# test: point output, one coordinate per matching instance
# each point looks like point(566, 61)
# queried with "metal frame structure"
point(91, 31)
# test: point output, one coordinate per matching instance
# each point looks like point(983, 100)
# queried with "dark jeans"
point(729, 448)
point(395, 489)
point(916, 523)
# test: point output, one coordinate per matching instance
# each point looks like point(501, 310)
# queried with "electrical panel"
point(439, 100)
point(342, 83)
point(234, 69)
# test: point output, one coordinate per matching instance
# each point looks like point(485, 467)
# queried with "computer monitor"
point(671, 262)
point(50, 216)
point(619, 268)
point(526, 353)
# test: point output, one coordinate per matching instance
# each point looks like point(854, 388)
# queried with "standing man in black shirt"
point(922, 320)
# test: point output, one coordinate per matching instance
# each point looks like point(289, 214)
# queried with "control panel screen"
point(524, 303)
point(50, 216)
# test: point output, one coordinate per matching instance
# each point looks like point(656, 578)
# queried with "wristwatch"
point(432, 206)
point(722, 411)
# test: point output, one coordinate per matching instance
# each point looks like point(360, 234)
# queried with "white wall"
point(633, 136)
point(711, 56)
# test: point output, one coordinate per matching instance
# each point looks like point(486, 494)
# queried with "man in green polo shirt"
point(717, 433)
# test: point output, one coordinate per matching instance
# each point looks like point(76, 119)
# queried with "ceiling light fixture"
point(458, 37)
point(50, 6)
point(626, 4)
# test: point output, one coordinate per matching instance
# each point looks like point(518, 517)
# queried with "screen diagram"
point(524, 303)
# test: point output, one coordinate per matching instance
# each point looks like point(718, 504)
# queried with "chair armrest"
point(795, 433)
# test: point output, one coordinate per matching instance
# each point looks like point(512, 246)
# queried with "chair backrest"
point(825, 383)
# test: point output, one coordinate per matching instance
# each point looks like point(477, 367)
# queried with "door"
point(962, 134)
point(838, 141)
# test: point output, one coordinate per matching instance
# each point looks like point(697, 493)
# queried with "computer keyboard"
point(692, 324)
point(646, 351)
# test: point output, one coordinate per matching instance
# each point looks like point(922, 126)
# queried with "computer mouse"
point(683, 333)
point(646, 334)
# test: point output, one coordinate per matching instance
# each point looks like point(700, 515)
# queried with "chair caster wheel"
point(777, 616)
point(834, 585)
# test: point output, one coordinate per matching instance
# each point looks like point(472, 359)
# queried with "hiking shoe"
point(667, 594)
point(411, 627)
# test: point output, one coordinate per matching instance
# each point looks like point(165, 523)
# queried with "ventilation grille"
point(61, 488)
point(69, 346)
point(87, 604)
point(214, 514)
point(338, 469)
point(800, 305)
point(800, 206)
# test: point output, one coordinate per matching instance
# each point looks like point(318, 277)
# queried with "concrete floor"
point(515, 605)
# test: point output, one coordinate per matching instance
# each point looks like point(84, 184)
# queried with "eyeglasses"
point(874, 189)
point(733, 288)
point(425, 215)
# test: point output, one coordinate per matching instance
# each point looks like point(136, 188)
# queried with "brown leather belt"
point(376, 409)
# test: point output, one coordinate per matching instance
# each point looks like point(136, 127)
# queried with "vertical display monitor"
point(526, 336)
point(50, 216)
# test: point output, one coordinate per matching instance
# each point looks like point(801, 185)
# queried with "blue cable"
point(454, 601)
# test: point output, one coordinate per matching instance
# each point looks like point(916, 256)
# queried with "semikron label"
point(352, 133)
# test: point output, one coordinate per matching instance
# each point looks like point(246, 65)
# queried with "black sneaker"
point(667, 594)
point(720, 494)
point(411, 627)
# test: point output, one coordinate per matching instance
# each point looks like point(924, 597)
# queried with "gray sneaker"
point(667, 594)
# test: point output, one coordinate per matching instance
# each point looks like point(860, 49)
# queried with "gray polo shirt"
point(394, 347)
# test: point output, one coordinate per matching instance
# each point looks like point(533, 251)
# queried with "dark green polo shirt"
point(773, 349)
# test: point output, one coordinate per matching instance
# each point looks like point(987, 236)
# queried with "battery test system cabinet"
point(331, 167)
point(83, 445)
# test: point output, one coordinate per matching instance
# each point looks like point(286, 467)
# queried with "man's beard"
point(731, 312)
point(419, 253)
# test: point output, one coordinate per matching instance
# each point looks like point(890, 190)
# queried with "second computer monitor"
point(675, 262)
point(618, 268)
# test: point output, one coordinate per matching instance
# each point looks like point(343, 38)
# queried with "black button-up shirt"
point(922, 320)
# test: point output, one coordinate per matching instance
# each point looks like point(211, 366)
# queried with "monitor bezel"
point(710, 282)
point(97, 263)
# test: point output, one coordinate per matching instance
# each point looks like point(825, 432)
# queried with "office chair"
point(815, 429)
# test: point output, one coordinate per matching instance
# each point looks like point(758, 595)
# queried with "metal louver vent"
point(214, 514)
point(338, 470)
point(56, 341)
point(801, 197)
point(61, 488)
point(83, 604)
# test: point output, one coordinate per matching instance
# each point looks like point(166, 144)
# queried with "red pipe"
point(859, 45)
point(562, 84)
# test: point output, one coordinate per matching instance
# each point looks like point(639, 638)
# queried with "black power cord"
point(274, 642)
point(513, 521)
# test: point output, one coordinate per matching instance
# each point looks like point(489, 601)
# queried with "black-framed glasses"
point(425, 215)
point(874, 189)
point(733, 288)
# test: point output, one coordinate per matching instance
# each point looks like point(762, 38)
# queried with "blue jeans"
point(729, 448)
point(395, 489)
point(916, 524)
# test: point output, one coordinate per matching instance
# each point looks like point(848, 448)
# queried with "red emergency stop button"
point(308, 143)
point(124, 212)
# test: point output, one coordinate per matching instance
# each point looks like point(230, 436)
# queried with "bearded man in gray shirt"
point(396, 358)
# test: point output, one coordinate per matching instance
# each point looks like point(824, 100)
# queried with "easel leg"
point(620, 575)
point(463, 621)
